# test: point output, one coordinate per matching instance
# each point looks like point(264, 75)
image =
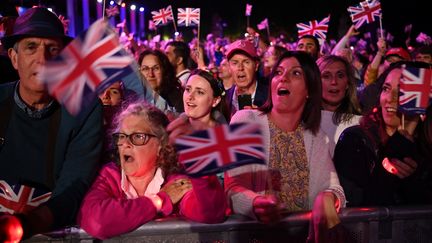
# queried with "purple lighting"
point(133, 19)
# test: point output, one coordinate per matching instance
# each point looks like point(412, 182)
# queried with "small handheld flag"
point(415, 89)
point(364, 13)
point(221, 148)
point(314, 28)
point(163, 16)
point(188, 17)
point(248, 11)
point(263, 24)
point(91, 62)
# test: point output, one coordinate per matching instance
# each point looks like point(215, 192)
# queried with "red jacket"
point(106, 212)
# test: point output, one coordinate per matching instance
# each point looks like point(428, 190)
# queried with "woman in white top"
point(340, 108)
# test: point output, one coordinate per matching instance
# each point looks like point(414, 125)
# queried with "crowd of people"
point(333, 134)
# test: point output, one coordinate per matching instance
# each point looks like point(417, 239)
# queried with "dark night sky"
point(283, 19)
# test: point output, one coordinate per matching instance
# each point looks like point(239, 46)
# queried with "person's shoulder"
point(92, 112)
point(111, 170)
point(247, 115)
point(352, 132)
point(6, 89)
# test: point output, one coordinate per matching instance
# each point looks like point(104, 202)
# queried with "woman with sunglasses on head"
point(146, 184)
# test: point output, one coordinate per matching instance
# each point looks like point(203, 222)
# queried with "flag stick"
point(175, 27)
point(403, 121)
point(381, 28)
point(103, 9)
point(198, 35)
point(247, 21)
point(268, 30)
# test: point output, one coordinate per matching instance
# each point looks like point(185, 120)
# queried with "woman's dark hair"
point(373, 122)
point(311, 115)
point(218, 91)
point(170, 89)
point(349, 105)
point(157, 122)
point(369, 97)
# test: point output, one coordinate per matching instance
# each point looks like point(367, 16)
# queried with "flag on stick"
point(248, 9)
point(263, 24)
point(221, 148)
point(365, 13)
point(90, 63)
point(315, 28)
point(163, 16)
point(188, 17)
point(415, 90)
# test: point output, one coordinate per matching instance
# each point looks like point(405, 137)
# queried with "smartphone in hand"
point(244, 100)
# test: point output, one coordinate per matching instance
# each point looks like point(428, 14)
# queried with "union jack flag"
point(163, 16)
point(151, 25)
point(221, 148)
point(263, 24)
point(248, 9)
point(112, 11)
point(188, 16)
point(315, 28)
point(88, 65)
point(365, 12)
point(415, 90)
point(20, 198)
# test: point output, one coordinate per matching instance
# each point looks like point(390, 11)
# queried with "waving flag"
point(365, 12)
point(20, 198)
point(248, 9)
point(221, 148)
point(188, 16)
point(315, 28)
point(90, 63)
point(151, 25)
point(163, 16)
point(112, 11)
point(263, 25)
point(415, 89)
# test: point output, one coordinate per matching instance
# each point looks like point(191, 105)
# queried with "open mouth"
point(333, 91)
point(283, 91)
point(127, 158)
point(241, 77)
point(190, 104)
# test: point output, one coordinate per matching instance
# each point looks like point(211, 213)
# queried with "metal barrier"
point(383, 224)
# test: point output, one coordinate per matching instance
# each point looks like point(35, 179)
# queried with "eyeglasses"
point(137, 139)
point(154, 69)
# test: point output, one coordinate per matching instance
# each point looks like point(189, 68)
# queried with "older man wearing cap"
point(42, 147)
point(247, 90)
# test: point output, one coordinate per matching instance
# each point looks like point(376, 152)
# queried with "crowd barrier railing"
point(382, 224)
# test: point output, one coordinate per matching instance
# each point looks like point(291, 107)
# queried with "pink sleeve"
point(106, 213)
point(206, 202)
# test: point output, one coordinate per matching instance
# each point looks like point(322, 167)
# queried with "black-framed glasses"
point(137, 139)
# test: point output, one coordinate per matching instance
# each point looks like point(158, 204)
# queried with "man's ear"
point(256, 66)
point(13, 55)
